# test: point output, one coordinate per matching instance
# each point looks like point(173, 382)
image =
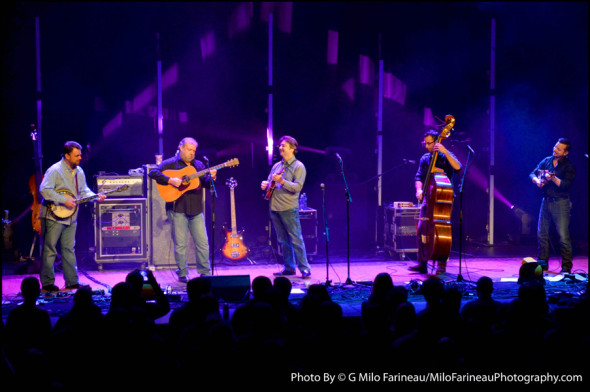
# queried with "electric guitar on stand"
point(234, 248)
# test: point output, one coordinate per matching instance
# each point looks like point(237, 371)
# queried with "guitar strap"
point(77, 187)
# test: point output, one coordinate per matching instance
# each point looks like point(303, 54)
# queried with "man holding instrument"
point(448, 163)
point(186, 212)
point(282, 187)
point(62, 184)
point(554, 176)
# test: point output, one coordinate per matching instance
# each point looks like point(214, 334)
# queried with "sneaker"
point(306, 275)
point(284, 272)
point(565, 271)
point(50, 288)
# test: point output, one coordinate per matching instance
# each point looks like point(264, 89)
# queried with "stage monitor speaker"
point(230, 288)
point(162, 250)
point(530, 270)
point(120, 231)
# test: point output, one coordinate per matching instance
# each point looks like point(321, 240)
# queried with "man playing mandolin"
point(283, 185)
point(186, 212)
point(63, 183)
point(554, 176)
point(447, 163)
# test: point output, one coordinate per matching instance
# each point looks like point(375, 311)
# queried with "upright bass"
point(436, 236)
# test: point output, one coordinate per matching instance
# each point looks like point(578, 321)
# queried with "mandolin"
point(60, 211)
point(272, 186)
point(190, 180)
point(234, 248)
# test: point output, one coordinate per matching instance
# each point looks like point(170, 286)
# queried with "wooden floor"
point(348, 277)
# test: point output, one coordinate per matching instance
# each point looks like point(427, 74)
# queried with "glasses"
point(427, 143)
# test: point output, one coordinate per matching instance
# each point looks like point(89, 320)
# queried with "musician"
point(186, 212)
point(450, 165)
point(287, 177)
point(63, 175)
point(554, 176)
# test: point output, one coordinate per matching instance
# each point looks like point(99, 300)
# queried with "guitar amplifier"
point(135, 185)
point(400, 227)
point(309, 229)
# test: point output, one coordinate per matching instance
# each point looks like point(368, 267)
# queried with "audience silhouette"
point(271, 336)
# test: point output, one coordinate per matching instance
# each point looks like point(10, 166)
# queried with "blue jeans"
point(558, 212)
point(66, 235)
point(288, 228)
point(195, 224)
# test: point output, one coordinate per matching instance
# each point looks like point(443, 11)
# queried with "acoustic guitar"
point(234, 248)
point(60, 211)
point(190, 179)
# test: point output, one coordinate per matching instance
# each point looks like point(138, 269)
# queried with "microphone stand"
point(327, 234)
point(467, 164)
point(348, 201)
point(213, 197)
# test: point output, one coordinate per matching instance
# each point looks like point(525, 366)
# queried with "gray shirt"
point(286, 196)
point(60, 176)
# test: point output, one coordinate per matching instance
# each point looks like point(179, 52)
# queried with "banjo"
point(60, 211)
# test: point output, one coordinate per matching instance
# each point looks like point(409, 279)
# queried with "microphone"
point(410, 161)
point(338, 156)
point(470, 149)
point(322, 186)
point(206, 159)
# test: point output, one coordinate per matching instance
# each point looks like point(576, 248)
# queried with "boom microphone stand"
point(213, 197)
point(348, 201)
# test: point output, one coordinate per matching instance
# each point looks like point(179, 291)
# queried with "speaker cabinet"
point(230, 288)
point(161, 253)
point(309, 229)
point(120, 231)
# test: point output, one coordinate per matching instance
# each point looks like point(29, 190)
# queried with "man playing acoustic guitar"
point(63, 182)
point(283, 185)
point(186, 212)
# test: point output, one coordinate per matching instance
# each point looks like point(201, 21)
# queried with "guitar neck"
point(85, 199)
point(234, 227)
point(203, 172)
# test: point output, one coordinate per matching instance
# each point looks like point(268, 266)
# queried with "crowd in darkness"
point(270, 337)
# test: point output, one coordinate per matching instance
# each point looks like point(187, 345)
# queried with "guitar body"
point(170, 193)
point(60, 211)
point(233, 248)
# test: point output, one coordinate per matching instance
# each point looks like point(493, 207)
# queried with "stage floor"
point(348, 278)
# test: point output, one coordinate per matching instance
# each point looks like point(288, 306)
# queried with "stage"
point(348, 277)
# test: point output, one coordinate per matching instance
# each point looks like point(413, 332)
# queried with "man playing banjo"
point(63, 183)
